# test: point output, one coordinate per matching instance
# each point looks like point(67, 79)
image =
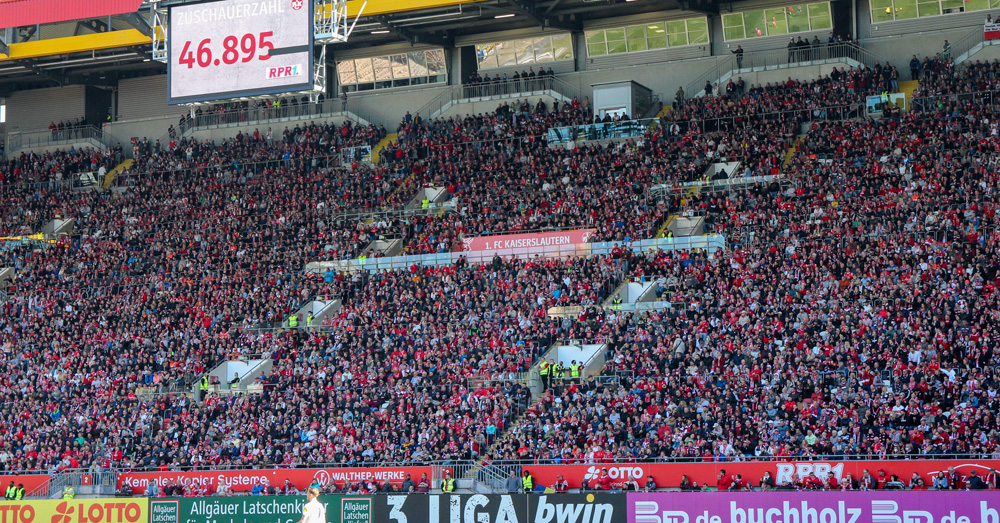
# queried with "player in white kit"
point(313, 511)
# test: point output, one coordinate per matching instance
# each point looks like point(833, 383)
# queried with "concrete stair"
point(790, 154)
point(380, 146)
point(907, 87)
point(109, 177)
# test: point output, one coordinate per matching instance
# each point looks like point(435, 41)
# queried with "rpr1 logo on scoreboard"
point(232, 48)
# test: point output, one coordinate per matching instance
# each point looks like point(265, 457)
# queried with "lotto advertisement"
point(105, 510)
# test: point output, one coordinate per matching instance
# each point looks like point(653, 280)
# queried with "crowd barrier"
point(632, 507)
point(666, 474)
point(669, 474)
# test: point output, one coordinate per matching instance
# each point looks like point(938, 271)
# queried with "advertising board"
point(815, 507)
point(669, 474)
point(244, 480)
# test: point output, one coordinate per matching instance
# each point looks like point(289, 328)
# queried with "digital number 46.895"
point(233, 50)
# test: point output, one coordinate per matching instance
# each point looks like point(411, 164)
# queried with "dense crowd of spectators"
point(940, 80)
point(835, 96)
point(851, 318)
point(852, 314)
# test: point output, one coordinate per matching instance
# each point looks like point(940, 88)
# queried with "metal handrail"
point(493, 90)
point(964, 45)
point(921, 101)
point(18, 140)
point(286, 112)
point(781, 59)
point(600, 131)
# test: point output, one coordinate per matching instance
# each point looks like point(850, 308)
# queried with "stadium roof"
point(101, 47)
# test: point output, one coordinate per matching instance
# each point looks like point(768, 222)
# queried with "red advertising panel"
point(669, 474)
point(30, 482)
point(244, 480)
point(529, 242)
point(16, 13)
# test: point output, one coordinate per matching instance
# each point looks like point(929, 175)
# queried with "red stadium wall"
point(30, 482)
point(16, 13)
point(244, 480)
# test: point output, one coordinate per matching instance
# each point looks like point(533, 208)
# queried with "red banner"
point(30, 482)
point(530, 242)
point(244, 480)
point(991, 31)
point(15, 13)
point(669, 474)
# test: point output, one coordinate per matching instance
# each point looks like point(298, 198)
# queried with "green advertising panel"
point(257, 509)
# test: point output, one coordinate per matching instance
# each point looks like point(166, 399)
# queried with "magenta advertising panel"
point(815, 507)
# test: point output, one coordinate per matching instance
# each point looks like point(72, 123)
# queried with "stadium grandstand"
point(498, 248)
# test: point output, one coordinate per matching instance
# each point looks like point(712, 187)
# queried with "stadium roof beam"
point(413, 37)
point(137, 22)
point(95, 25)
point(527, 8)
point(708, 7)
point(33, 65)
point(552, 6)
point(28, 32)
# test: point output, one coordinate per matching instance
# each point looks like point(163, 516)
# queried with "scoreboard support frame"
point(330, 26)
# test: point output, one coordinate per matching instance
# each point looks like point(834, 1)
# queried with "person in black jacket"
point(975, 482)
point(767, 482)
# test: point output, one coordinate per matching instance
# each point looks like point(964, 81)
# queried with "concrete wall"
point(899, 49)
point(462, 109)
point(152, 128)
point(780, 75)
point(662, 78)
point(34, 110)
point(142, 98)
point(392, 104)
point(225, 133)
point(898, 41)
point(226, 371)
point(987, 54)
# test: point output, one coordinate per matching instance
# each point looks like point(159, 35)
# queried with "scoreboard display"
point(234, 48)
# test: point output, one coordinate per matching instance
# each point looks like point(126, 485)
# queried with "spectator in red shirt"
point(560, 486)
point(723, 481)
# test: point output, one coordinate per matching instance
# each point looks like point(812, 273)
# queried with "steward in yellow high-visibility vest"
point(543, 370)
point(309, 321)
point(425, 204)
point(19, 495)
point(68, 492)
point(448, 485)
point(293, 321)
point(527, 482)
point(575, 371)
point(9, 493)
